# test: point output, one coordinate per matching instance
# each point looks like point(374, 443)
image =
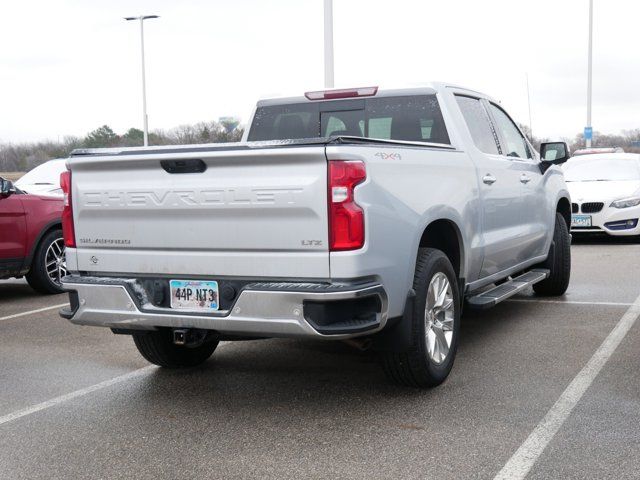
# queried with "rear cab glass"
point(410, 118)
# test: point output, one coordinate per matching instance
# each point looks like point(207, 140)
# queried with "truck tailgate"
point(250, 213)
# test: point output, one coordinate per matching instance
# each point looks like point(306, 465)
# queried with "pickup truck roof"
point(425, 89)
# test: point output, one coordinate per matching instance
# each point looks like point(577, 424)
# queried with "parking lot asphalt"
point(307, 409)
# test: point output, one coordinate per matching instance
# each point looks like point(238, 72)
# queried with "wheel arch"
point(54, 225)
point(445, 235)
point(563, 207)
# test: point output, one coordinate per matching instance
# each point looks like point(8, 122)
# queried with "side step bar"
point(490, 298)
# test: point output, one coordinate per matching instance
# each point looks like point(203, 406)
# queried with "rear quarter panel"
point(406, 189)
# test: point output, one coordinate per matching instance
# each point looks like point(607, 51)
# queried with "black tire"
point(158, 348)
point(414, 367)
point(558, 264)
point(38, 278)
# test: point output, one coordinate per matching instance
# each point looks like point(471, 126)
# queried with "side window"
point(477, 120)
point(516, 144)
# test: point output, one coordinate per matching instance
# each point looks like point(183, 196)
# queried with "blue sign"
point(588, 133)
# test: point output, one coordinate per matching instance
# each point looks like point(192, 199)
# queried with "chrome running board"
point(492, 297)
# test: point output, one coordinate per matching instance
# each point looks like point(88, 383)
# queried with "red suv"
point(31, 243)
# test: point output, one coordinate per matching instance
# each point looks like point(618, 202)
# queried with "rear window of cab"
point(409, 118)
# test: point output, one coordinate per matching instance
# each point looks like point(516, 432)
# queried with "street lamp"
point(328, 43)
point(588, 131)
point(142, 18)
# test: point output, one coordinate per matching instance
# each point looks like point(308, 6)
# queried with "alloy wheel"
point(439, 317)
point(55, 261)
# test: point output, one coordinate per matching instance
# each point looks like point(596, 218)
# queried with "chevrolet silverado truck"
point(361, 214)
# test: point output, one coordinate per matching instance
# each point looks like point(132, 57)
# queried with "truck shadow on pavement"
point(604, 239)
point(277, 370)
point(310, 391)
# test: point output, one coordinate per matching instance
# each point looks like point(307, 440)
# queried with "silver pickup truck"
point(363, 214)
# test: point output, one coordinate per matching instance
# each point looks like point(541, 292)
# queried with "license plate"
point(580, 220)
point(194, 295)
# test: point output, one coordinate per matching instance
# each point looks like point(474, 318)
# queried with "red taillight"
point(67, 212)
point(343, 93)
point(346, 218)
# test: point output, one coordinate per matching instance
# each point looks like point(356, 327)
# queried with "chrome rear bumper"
point(269, 309)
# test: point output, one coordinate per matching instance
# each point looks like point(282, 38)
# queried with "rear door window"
point(411, 118)
point(482, 131)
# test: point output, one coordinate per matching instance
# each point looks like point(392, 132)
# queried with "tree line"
point(629, 140)
point(22, 157)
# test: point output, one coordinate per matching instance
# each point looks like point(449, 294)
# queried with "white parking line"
point(83, 391)
point(16, 315)
point(570, 302)
point(78, 393)
point(521, 462)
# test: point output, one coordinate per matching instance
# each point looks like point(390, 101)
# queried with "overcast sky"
point(67, 67)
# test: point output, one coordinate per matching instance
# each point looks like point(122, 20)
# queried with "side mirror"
point(553, 153)
point(6, 188)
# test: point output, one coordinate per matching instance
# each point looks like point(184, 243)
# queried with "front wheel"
point(558, 262)
point(435, 325)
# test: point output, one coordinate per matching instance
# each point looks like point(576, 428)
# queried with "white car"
point(605, 193)
point(43, 179)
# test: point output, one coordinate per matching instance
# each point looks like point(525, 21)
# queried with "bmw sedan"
point(605, 191)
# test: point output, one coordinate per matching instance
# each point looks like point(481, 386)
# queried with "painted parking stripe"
point(30, 312)
point(78, 393)
point(523, 459)
point(570, 302)
point(83, 391)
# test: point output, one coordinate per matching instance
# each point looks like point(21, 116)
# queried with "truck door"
point(499, 186)
point(533, 215)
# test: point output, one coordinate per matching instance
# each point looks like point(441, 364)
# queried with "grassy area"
point(13, 176)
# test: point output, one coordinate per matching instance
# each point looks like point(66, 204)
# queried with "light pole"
point(529, 104)
point(142, 18)
point(588, 132)
point(328, 43)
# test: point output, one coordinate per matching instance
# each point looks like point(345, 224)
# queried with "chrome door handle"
point(489, 179)
point(524, 178)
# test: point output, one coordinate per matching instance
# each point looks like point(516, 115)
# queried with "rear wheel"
point(558, 264)
point(435, 325)
point(158, 348)
point(49, 264)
